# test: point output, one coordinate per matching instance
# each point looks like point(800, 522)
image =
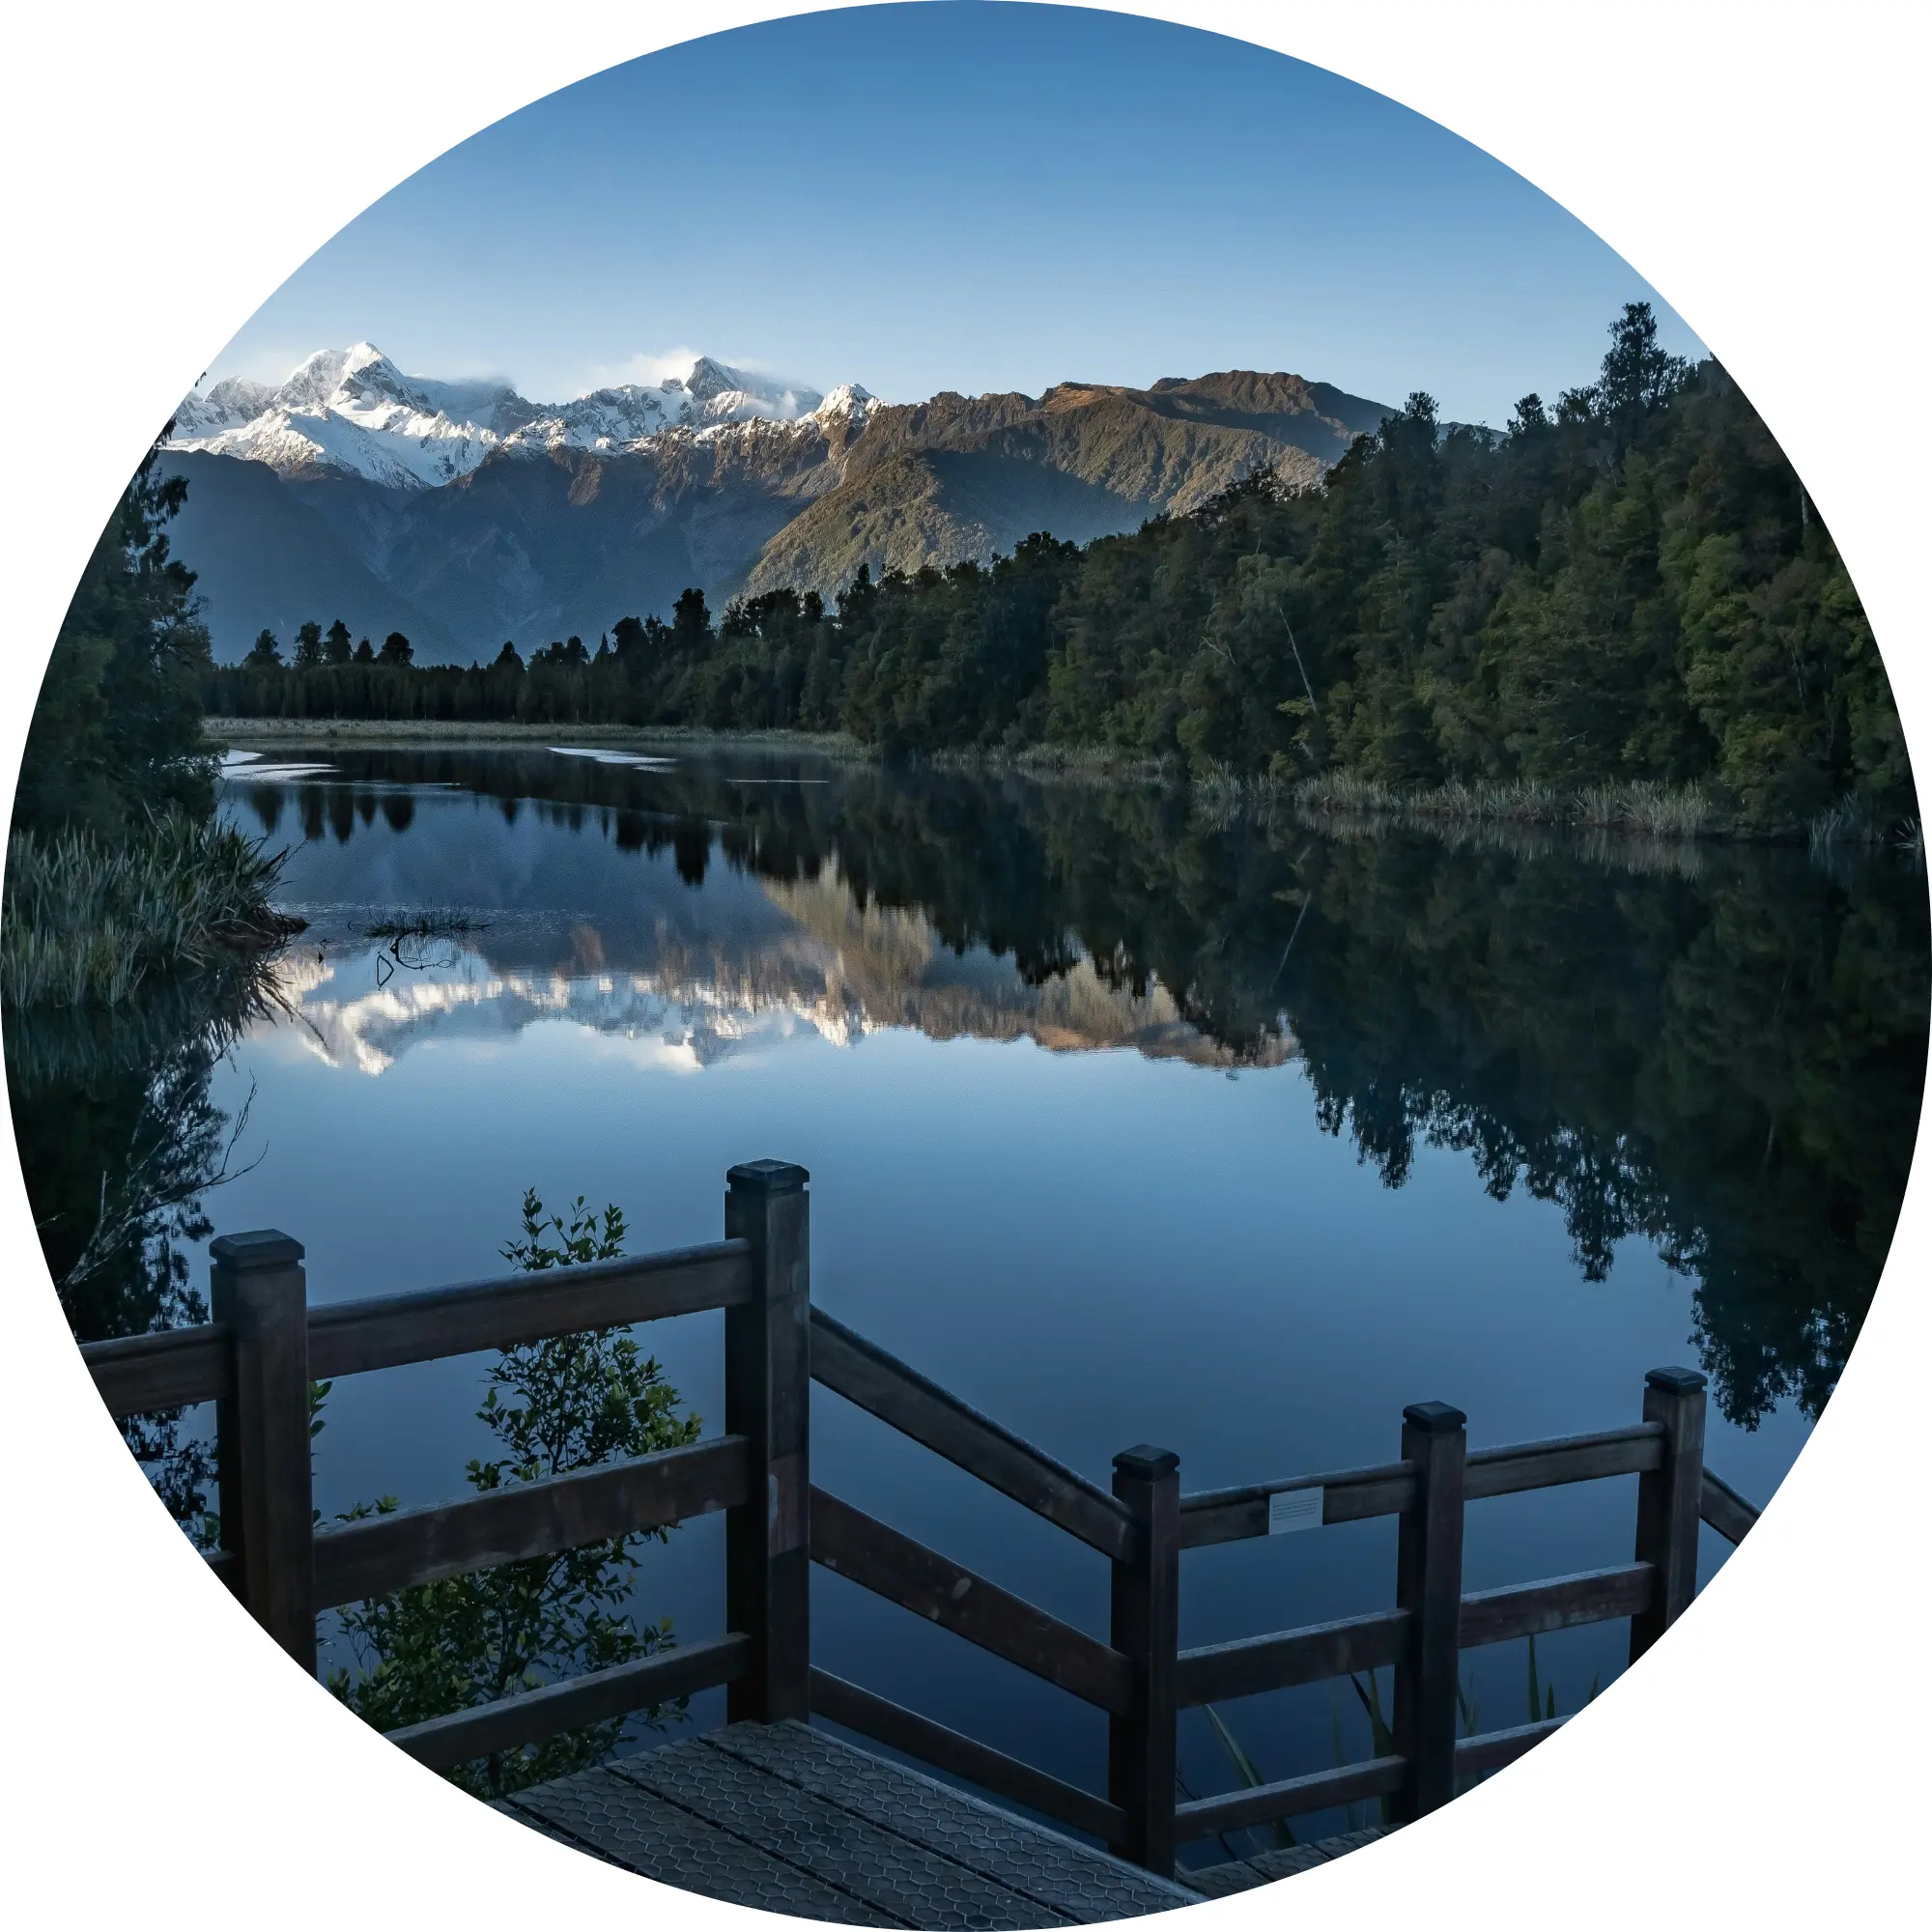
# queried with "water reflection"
point(842, 969)
point(1718, 1050)
point(120, 1145)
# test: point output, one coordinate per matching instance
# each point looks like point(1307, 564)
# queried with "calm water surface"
point(1127, 1120)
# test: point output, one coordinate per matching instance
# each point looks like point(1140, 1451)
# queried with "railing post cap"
point(767, 1176)
point(1145, 1459)
point(1677, 1381)
point(1434, 1418)
point(258, 1248)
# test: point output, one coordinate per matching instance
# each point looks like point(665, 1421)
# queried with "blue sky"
point(969, 196)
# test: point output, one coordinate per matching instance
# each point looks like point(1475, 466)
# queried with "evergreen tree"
point(116, 733)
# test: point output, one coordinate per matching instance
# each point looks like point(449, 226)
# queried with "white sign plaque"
point(1294, 1509)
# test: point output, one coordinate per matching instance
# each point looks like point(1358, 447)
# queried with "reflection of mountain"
point(839, 969)
point(891, 965)
point(1724, 1059)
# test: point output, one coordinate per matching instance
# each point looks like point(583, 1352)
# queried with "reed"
point(85, 924)
point(1642, 807)
point(1850, 822)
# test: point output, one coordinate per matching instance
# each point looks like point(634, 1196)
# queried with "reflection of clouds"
point(839, 972)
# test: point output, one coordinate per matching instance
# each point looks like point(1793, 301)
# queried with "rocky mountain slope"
point(464, 515)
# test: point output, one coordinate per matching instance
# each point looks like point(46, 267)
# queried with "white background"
point(1762, 166)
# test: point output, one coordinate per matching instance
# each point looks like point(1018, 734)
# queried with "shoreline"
point(1644, 812)
point(240, 732)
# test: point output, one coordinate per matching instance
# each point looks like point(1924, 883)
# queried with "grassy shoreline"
point(1642, 809)
point(89, 923)
point(243, 733)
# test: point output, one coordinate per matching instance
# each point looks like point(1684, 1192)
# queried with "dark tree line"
point(116, 731)
point(1629, 584)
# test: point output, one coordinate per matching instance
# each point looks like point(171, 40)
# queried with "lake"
point(1131, 1117)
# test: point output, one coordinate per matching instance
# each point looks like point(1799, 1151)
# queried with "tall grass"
point(85, 924)
point(1643, 807)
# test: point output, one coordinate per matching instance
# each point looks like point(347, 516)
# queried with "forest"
point(1626, 586)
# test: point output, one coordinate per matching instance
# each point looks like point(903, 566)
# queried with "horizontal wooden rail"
point(1564, 1458)
point(885, 1386)
point(900, 1729)
point(1228, 1515)
point(878, 1559)
point(532, 1716)
point(179, 1367)
point(380, 1553)
point(1348, 1496)
point(1560, 1603)
point(1318, 1791)
point(1323, 1790)
point(176, 1369)
point(1282, 1658)
point(1724, 1510)
point(348, 1337)
point(1490, 1751)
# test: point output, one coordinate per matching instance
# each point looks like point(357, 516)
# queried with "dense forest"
point(1626, 585)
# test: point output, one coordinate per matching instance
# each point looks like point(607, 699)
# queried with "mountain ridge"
point(466, 515)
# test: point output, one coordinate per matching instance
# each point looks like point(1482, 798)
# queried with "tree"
point(397, 649)
point(116, 733)
point(364, 653)
point(571, 1403)
point(1637, 377)
point(335, 646)
point(309, 647)
point(266, 654)
point(690, 621)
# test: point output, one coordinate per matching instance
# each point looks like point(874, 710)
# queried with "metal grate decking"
point(789, 1819)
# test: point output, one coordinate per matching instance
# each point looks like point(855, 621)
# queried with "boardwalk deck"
point(1242, 1874)
point(789, 1819)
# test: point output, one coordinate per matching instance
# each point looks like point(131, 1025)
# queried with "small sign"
point(1294, 1509)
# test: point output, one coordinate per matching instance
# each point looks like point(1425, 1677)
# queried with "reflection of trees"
point(1718, 1050)
point(119, 1140)
point(574, 1401)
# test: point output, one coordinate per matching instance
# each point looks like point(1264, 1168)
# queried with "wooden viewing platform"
point(785, 1818)
point(770, 1811)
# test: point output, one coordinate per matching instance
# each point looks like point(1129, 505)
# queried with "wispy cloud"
point(652, 368)
point(644, 368)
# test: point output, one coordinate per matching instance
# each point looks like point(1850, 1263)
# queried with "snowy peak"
point(724, 394)
point(849, 399)
point(352, 410)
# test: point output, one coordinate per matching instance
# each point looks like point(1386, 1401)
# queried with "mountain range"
point(463, 514)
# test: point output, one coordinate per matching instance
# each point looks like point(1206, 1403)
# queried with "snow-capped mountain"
point(464, 515)
point(352, 411)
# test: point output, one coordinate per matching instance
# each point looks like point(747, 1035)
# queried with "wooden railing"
point(256, 1360)
point(1141, 1677)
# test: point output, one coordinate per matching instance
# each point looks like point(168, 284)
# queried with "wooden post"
point(1667, 1501)
point(1146, 1630)
point(1429, 1586)
point(768, 1400)
point(261, 1432)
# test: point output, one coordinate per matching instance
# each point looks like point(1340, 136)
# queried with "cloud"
point(651, 369)
point(645, 368)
